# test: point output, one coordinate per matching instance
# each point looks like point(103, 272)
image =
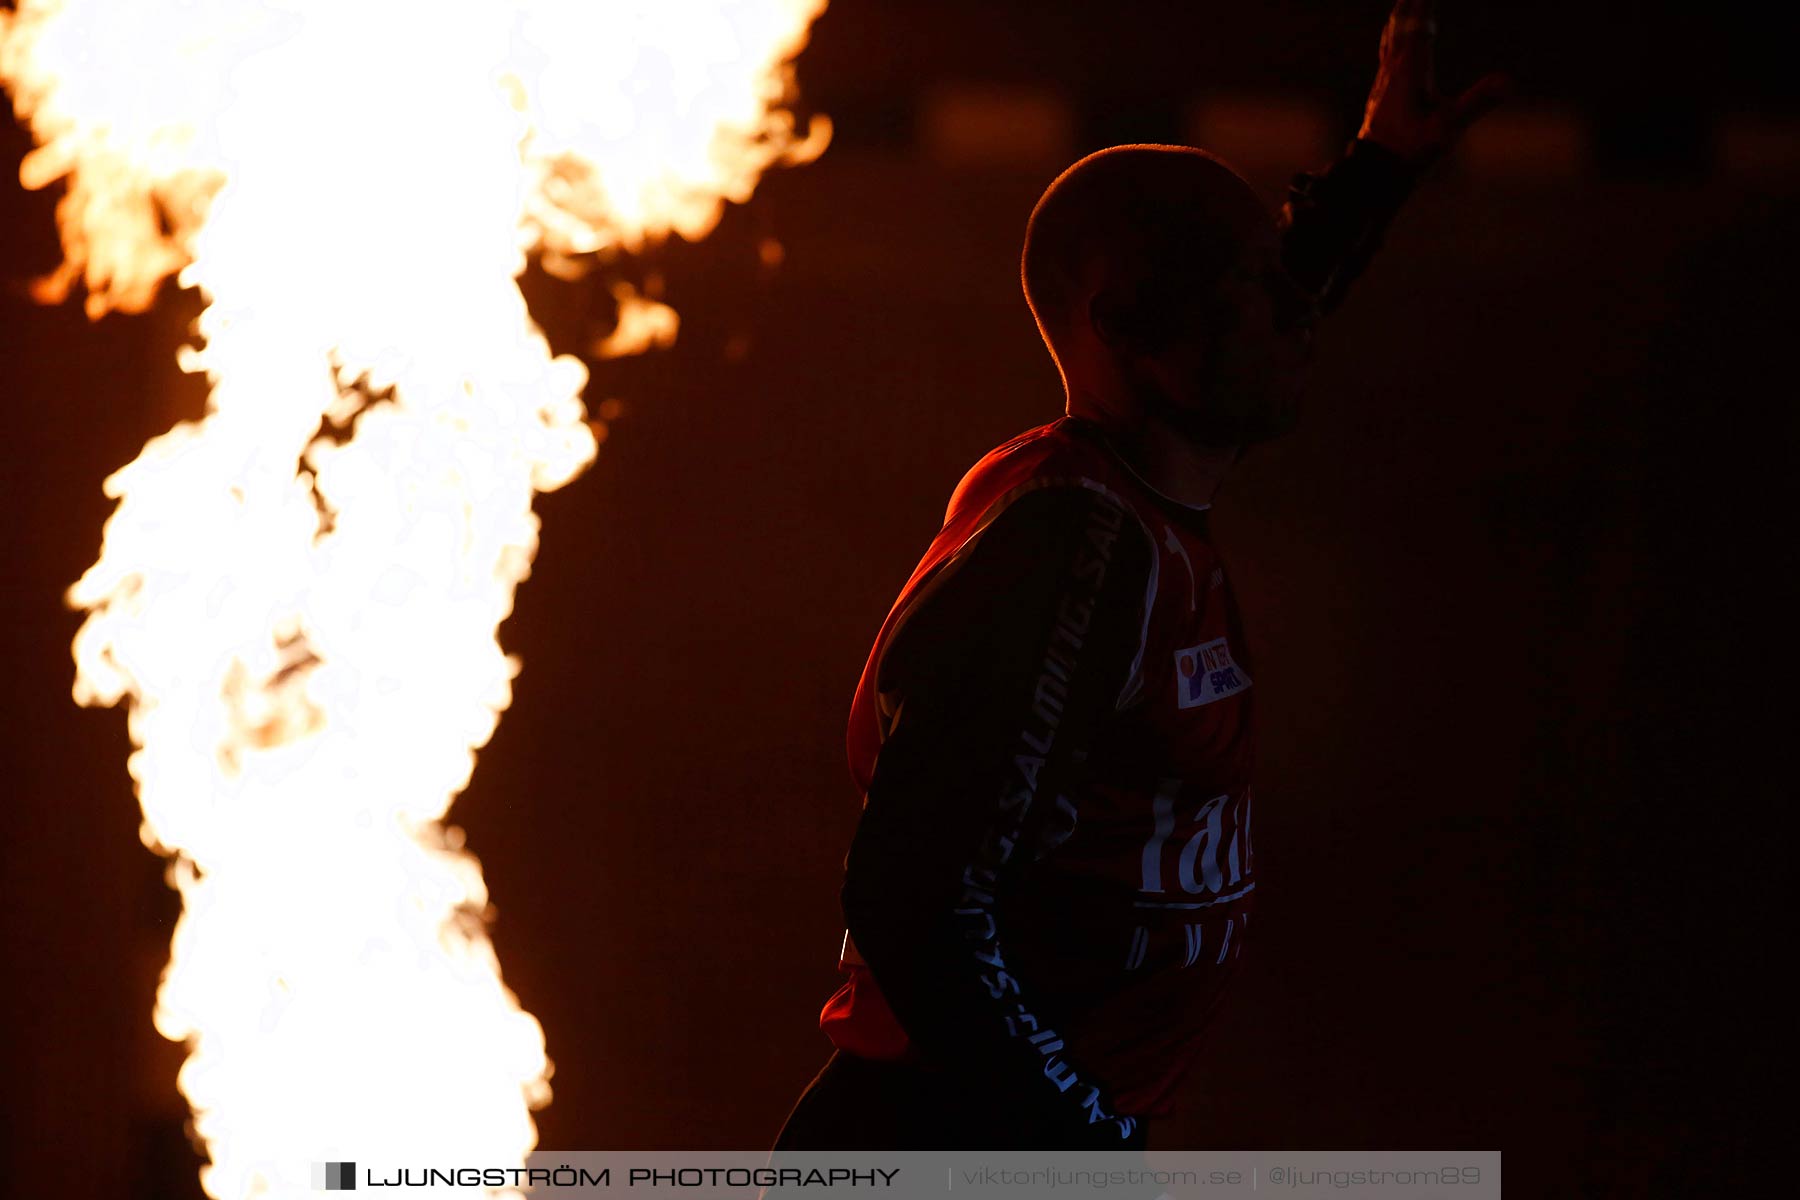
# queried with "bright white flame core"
point(299, 595)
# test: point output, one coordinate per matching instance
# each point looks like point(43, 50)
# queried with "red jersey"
point(1136, 900)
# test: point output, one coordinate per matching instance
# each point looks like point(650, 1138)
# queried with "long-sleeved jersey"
point(1053, 875)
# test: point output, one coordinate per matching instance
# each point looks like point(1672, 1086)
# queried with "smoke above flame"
point(298, 596)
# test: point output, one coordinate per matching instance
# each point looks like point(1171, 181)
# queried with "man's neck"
point(1175, 465)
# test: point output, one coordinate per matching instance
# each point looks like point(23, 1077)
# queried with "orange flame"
point(299, 595)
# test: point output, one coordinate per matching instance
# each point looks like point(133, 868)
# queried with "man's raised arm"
point(1333, 221)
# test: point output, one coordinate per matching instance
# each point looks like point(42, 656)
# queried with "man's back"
point(1071, 646)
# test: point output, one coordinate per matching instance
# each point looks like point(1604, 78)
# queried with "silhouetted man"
point(1053, 875)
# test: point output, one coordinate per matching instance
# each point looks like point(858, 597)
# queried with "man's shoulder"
point(1042, 493)
point(1052, 456)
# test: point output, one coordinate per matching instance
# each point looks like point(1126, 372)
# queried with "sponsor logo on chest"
point(1205, 673)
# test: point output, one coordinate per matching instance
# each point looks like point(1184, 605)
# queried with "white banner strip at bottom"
point(931, 1175)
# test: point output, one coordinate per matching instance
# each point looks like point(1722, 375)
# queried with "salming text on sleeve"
point(996, 679)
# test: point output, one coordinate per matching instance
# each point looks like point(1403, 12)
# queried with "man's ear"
point(1114, 322)
point(1141, 324)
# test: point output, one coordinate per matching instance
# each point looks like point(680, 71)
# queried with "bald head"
point(1149, 230)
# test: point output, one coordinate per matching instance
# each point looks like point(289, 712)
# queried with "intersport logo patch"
point(1205, 673)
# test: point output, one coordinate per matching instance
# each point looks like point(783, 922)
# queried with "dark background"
point(1518, 589)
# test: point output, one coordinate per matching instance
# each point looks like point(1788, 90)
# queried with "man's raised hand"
point(1406, 112)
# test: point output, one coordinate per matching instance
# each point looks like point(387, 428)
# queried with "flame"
point(299, 594)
